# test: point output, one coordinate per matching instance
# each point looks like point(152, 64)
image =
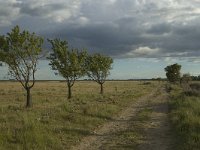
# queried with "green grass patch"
point(185, 117)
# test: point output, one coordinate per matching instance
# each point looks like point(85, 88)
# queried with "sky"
point(142, 36)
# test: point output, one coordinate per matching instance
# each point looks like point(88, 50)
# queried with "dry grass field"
point(54, 122)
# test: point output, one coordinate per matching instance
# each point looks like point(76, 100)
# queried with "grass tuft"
point(185, 117)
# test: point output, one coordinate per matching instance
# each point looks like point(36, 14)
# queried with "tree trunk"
point(101, 92)
point(69, 92)
point(28, 98)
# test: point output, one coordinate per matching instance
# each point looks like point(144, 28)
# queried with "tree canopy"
point(173, 72)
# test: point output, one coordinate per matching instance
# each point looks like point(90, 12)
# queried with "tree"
point(20, 51)
point(98, 67)
point(173, 73)
point(69, 63)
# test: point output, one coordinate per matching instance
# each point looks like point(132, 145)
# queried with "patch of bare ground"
point(158, 135)
point(129, 130)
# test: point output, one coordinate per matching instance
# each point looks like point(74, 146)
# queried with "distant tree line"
point(20, 51)
point(195, 78)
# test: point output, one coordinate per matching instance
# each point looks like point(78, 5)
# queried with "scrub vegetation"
point(185, 115)
point(55, 123)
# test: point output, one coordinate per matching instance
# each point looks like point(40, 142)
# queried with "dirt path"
point(121, 132)
point(157, 130)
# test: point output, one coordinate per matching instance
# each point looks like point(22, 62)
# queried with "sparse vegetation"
point(53, 122)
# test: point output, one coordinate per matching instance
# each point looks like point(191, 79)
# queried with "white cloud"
point(145, 50)
point(142, 51)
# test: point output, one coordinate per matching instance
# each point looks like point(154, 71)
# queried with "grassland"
point(55, 122)
point(185, 115)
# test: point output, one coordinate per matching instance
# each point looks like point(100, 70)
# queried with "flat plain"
point(54, 122)
point(135, 115)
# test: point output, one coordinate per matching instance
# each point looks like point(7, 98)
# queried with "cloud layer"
point(119, 28)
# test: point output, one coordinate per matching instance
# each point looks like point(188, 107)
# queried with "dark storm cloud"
point(160, 29)
point(9, 11)
point(182, 38)
point(112, 39)
point(119, 28)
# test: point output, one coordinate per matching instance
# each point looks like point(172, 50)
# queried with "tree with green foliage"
point(68, 63)
point(20, 51)
point(98, 67)
point(173, 73)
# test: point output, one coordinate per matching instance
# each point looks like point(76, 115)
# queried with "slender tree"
point(98, 67)
point(69, 63)
point(173, 73)
point(20, 51)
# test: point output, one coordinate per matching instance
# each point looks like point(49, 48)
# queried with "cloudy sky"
point(143, 36)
